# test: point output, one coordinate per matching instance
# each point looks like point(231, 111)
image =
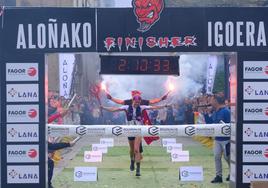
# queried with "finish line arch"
point(28, 33)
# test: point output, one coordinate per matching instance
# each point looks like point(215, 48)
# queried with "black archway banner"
point(26, 34)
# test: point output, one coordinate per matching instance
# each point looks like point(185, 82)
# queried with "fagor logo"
point(147, 12)
point(266, 70)
point(81, 130)
point(266, 111)
point(265, 153)
point(31, 71)
point(117, 130)
point(32, 153)
point(190, 130)
point(153, 131)
point(32, 113)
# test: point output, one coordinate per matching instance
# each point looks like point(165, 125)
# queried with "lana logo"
point(266, 69)
point(266, 152)
point(12, 92)
point(32, 153)
point(13, 173)
point(81, 130)
point(248, 173)
point(153, 131)
point(32, 71)
point(117, 130)
point(147, 12)
point(32, 113)
point(248, 132)
point(249, 90)
point(190, 130)
point(12, 132)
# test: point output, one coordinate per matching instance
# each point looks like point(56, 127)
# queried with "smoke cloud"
point(188, 84)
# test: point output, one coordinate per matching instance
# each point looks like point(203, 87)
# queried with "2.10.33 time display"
point(160, 65)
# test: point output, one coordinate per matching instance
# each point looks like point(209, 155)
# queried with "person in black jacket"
point(51, 148)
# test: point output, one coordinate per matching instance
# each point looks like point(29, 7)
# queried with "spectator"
point(221, 144)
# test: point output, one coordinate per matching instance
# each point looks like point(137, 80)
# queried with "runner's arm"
point(157, 100)
point(117, 101)
point(112, 109)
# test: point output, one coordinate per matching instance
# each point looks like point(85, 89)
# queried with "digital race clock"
point(161, 65)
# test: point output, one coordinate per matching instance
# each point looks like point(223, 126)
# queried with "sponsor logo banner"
point(255, 153)
point(22, 93)
point(255, 111)
point(109, 142)
point(166, 141)
point(22, 133)
point(256, 90)
point(191, 173)
point(180, 156)
point(22, 113)
point(255, 69)
point(22, 153)
point(131, 131)
point(26, 174)
point(85, 174)
point(176, 146)
point(255, 173)
point(58, 131)
point(92, 156)
point(172, 131)
point(255, 132)
point(100, 147)
point(21, 72)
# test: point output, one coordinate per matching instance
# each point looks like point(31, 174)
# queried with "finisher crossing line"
point(134, 117)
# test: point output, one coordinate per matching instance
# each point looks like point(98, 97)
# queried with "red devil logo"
point(147, 12)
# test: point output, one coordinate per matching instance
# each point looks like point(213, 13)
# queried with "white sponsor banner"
point(212, 130)
point(172, 146)
point(22, 113)
point(85, 174)
point(66, 65)
point(233, 172)
point(255, 153)
point(22, 93)
point(22, 153)
point(255, 132)
point(166, 141)
point(180, 156)
point(100, 147)
point(92, 156)
point(233, 152)
point(211, 71)
point(191, 173)
point(22, 132)
point(255, 173)
point(26, 174)
point(255, 69)
point(255, 90)
point(255, 111)
point(109, 142)
point(21, 72)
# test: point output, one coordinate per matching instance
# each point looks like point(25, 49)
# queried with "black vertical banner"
point(1, 84)
point(23, 116)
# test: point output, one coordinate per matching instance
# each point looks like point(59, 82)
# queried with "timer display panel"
point(159, 65)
